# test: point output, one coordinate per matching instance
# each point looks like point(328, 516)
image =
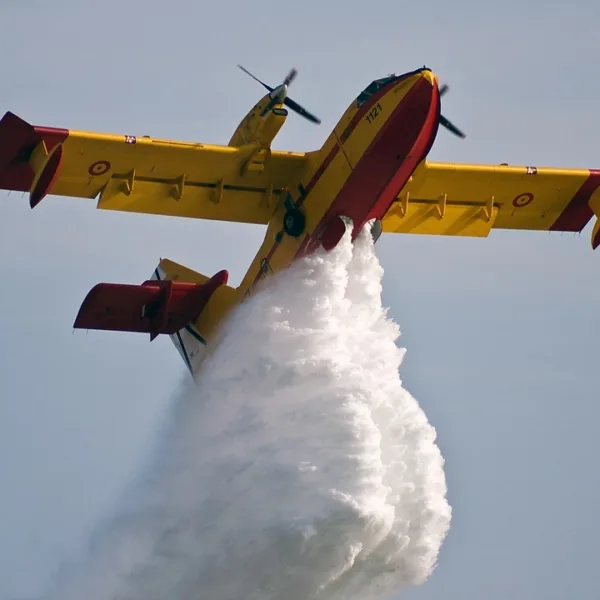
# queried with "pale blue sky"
point(501, 333)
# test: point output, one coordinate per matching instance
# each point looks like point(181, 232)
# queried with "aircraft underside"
point(372, 168)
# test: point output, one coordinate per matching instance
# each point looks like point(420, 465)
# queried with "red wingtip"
point(18, 139)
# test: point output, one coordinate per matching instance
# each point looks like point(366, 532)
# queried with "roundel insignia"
point(99, 168)
point(522, 200)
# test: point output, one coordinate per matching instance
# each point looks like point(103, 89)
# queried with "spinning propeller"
point(444, 122)
point(279, 94)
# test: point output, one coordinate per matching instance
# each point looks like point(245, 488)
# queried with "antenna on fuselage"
point(279, 94)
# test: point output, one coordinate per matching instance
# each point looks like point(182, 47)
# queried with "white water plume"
point(299, 469)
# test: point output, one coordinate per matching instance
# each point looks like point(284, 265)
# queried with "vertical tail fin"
point(192, 341)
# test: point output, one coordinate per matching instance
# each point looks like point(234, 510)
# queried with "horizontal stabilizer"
point(154, 307)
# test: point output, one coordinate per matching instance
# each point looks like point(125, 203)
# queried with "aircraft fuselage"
point(365, 162)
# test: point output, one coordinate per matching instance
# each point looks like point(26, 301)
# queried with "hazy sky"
point(501, 332)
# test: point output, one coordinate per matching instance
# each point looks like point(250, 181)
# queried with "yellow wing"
point(142, 174)
point(470, 200)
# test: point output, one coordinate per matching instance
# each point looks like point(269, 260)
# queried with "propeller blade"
point(282, 88)
point(444, 122)
point(450, 127)
point(290, 77)
point(256, 78)
point(301, 111)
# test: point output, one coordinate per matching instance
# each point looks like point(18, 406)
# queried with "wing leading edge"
point(142, 174)
point(464, 199)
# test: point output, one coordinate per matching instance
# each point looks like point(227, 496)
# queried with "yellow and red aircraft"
point(371, 169)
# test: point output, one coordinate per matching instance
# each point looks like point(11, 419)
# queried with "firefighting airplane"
point(372, 169)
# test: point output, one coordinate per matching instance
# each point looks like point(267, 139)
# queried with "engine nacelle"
point(260, 125)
